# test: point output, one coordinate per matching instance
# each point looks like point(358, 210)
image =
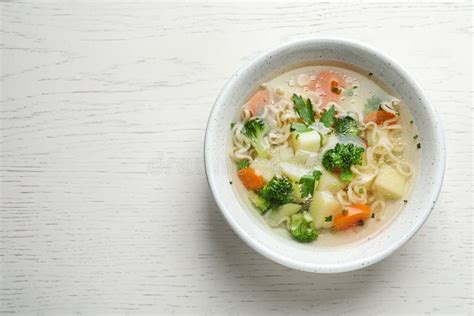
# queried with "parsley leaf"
point(243, 164)
point(328, 118)
point(372, 105)
point(300, 128)
point(303, 108)
point(307, 183)
point(328, 218)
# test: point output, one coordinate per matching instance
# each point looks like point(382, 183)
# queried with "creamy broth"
point(345, 143)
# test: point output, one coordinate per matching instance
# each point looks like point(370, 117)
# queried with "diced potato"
point(330, 182)
point(265, 167)
point(276, 217)
point(389, 182)
point(309, 141)
point(293, 171)
point(296, 193)
point(323, 205)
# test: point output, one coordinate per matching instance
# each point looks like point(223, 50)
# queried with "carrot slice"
point(328, 85)
point(258, 101)
point(250, 178)
point(379, 117)
point(352, 216)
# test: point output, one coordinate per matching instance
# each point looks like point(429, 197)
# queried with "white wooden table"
point(104, 202)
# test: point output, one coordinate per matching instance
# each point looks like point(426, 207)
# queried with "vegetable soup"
point(325, 153)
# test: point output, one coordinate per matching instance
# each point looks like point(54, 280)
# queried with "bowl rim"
point(355, 264)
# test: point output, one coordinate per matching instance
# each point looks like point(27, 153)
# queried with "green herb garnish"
point(329, 117)
point(328, 218)
point(372, 105)
point(303, 108)
point(300, 128)
point(307, 183)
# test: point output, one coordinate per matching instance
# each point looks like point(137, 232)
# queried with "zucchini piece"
point(306, 158)
point(282, 213)
point(293, 171)
point(296, 193)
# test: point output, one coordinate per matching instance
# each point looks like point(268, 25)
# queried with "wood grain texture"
point(104, 202)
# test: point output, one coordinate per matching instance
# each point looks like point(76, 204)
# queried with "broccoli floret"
point(347, 126)
point(341, 158)
point(301, 227)
point(278, 191)
point(255, 129)
point(261, 204)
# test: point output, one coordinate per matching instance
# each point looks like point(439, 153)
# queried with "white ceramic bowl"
point(310, 257)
